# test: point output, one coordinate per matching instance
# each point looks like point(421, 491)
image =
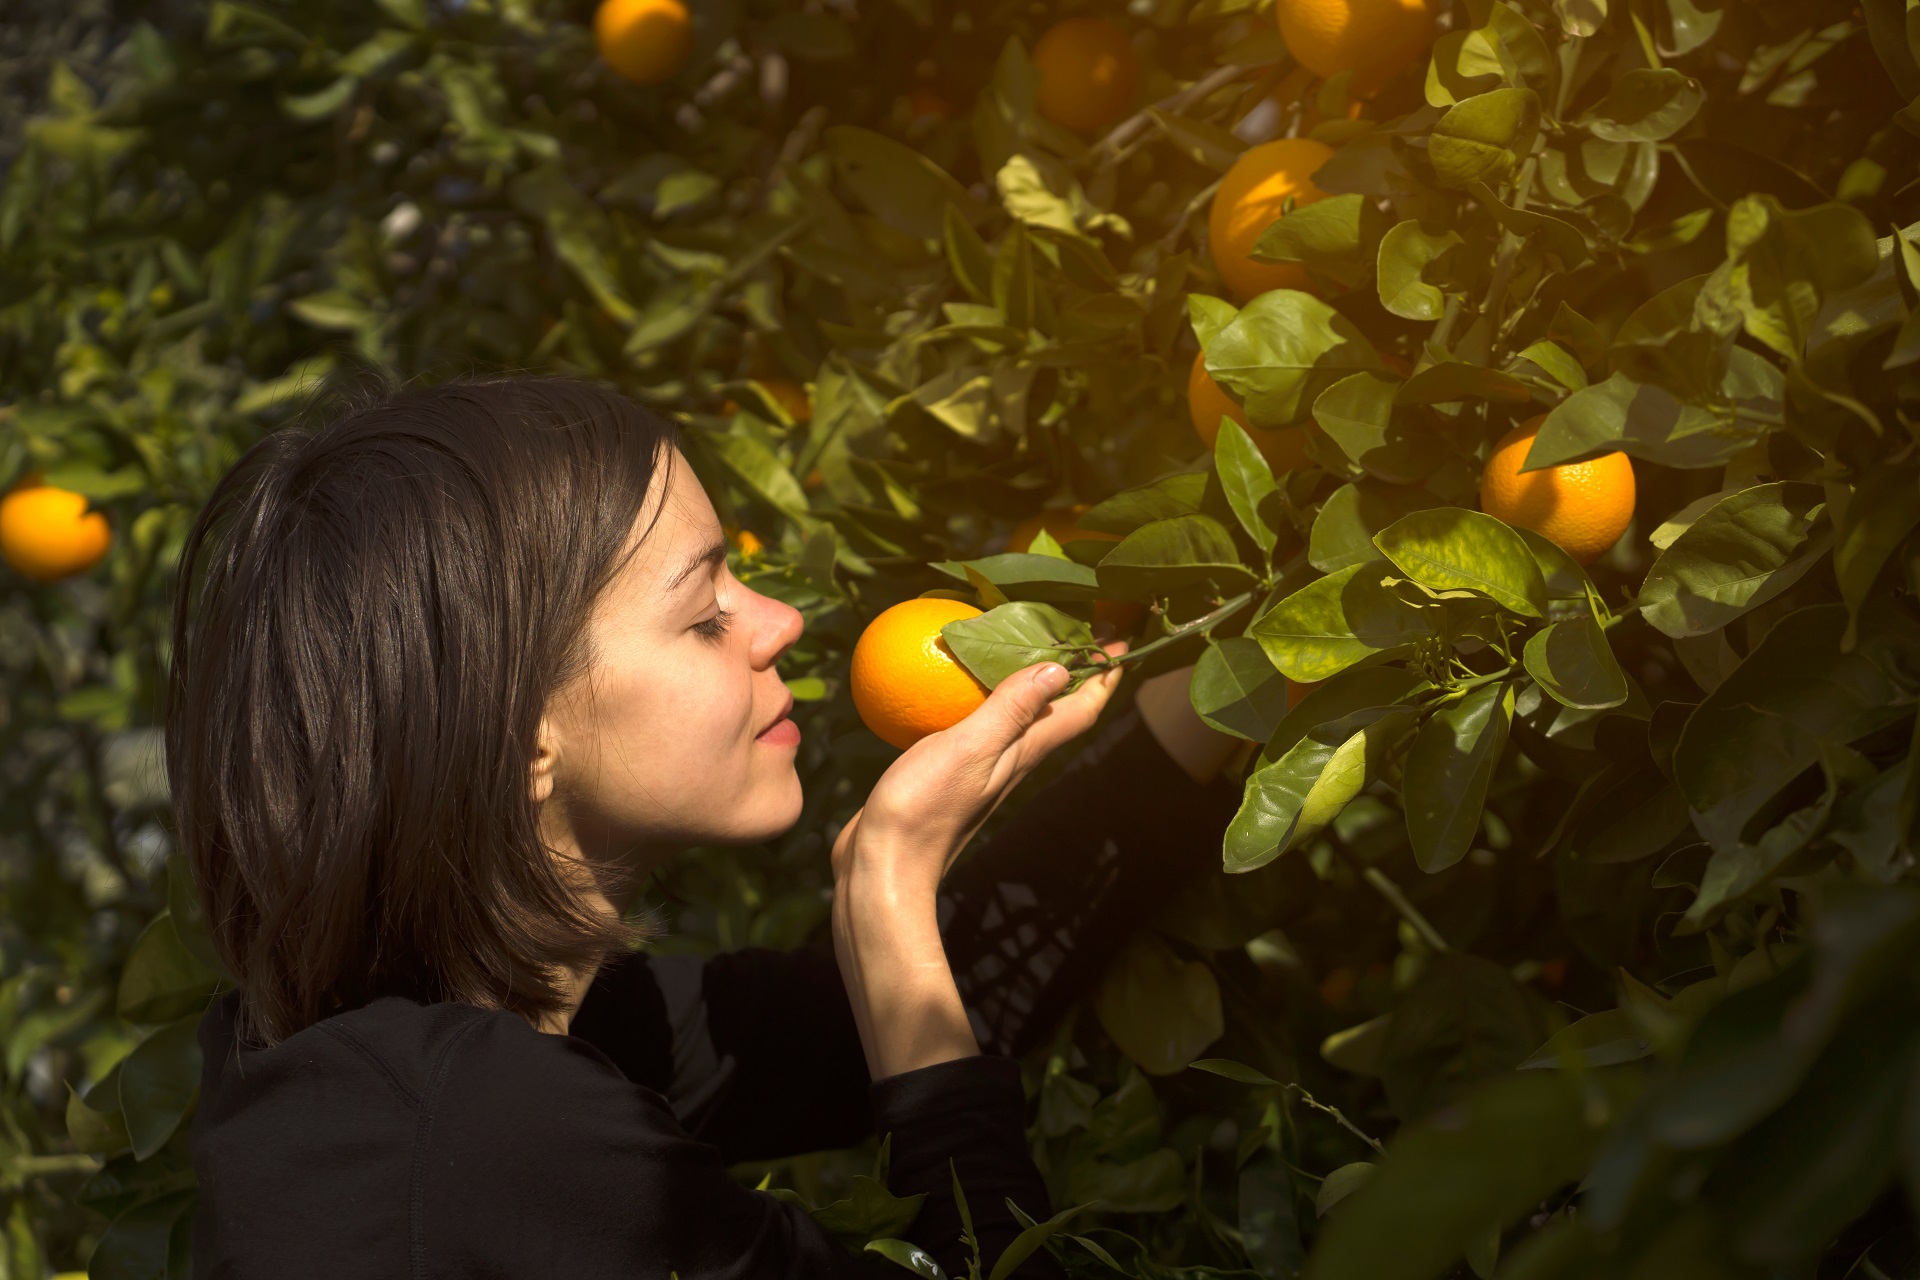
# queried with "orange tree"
point(1566, 928)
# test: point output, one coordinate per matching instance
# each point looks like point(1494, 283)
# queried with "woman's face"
point(677, 733)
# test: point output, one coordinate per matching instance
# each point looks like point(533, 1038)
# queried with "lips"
point(786, 710)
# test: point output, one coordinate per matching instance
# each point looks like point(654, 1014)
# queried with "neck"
point(565, 844)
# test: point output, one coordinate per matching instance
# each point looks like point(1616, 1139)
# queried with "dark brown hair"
point(370, 618)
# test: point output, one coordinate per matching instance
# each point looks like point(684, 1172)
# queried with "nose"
point(777, 628)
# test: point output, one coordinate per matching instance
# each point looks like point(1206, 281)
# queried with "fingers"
point(1015, 704)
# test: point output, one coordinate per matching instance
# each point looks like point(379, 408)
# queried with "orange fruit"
point(47, 533)
point(906, 682)
point(925, 104)
point(1583, 507)
point(749, 543)
point(1284, 450)
point(1374, 39)
point(1250, 199)
point(1088, 74)
point(646, 41)
point(1060, 526)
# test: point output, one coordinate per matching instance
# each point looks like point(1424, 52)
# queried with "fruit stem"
point(1410, 913)
point(1185, 629)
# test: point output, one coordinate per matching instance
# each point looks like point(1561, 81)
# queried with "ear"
point(545, 762)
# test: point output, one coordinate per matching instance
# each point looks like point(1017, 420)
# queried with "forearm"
point(886, 937)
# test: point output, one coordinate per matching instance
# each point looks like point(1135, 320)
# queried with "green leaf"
point(1209, 315)
point(1166, 555)
point(1406, 251)
point(1648, 421)
point(1448, 769)
point(761, 470)
point(967, 254)
point(1745, 550)
point(1235, 689)
point(1247, 480)
point(101, 1132)
point(1130, 509)
point(1577, 334)
point(159, 1081)
point(871, 1210)
point(1160, 1010)
point(1335, 236)
point(1454, 549)
point(1558, 236)
point(1238, 1072)
point(1281, 352)
point(903, 188)
point(1884, 509)
point(1573, 663)
point(1645, 105)
point(1565, 579)
point(1343, 695)
point(1553, 360)
point(1014, 637)
point(1477, 1166)
point(163, 980)
point(1480, 139)
point(1026, 575)
point(911, 1256)
point(1336, 621)
point(140, 1244)
point(1340, 1184)
point(583, 237)
point(1350, 517)
point(1598, 1040)
point(1357, 413)
point(1452, 380)
point(1291, 800)
point(1024, 1245)
point(1208, 144)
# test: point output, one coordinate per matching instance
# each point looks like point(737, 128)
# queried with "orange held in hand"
point(1582, 507)
point(1088, 74)
point(646, 41)
point(906, 682)
point(1251, 198)
point(1284, 450)
point(47, 533)
point(1374, 39)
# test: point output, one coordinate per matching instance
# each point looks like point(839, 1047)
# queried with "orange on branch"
point(1207, 402)
point(906, 682)
point(1088, 74)
point(1582, 507)
point(1251, 198)
point(1374, 39)
point(47, 533)
point(646, 41)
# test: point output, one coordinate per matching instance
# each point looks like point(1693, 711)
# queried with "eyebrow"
point(707, 558)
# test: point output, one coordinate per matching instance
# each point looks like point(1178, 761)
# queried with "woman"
point(450, 675)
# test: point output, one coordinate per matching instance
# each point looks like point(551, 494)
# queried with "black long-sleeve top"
point(444, 1140)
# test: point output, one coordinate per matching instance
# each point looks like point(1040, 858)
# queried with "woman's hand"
point(888, 861)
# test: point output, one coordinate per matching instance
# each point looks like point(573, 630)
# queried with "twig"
point(1124, 132)
point(1186, 629)
point(1339, 1118)
point(1408, 912)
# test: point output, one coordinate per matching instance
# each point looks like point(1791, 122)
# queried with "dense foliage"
point(1644, 830)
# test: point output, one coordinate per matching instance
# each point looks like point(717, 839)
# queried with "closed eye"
point(717, 626)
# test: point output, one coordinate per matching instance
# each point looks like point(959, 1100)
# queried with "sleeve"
point(732, 1042)
point(540, 1158)
point(1032, 917)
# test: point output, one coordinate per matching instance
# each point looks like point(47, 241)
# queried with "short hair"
point(371, 615)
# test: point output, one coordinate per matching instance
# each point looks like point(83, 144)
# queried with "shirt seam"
point(354, 1042)
point(423, 1130)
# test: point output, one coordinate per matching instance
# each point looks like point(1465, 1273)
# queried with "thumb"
point(1017, 702)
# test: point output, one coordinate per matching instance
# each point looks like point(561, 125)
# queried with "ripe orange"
point(1250, 199)
point(749, 543)
point(1583, 507)
point(906, 682)
point(47, 533)
point(1374, 39)
point(644, 40)
point(1284, 450)
point(1088, 74)
point(1060, 526)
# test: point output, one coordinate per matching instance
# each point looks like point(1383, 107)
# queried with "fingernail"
point(1052, 677)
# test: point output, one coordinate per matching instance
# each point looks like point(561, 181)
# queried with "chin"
point(771, 810)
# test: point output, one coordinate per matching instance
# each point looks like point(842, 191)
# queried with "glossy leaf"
point(902, 187)
point(1453, 549)
point(159, 1081)
point(1281, 351)
point(1336, 621)
point(1742, 552)
point(1357, 413)
point(1480, 139)
point(1573, 663)
point(1159, 1009)
point(1235, 689)
point(1014, 637)
point(1292, 799)
point(1168, 554)
point(1645, 105)
point(1247, 479)
point(1448, 769)
point(1343, 532)
point(1406, 252)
